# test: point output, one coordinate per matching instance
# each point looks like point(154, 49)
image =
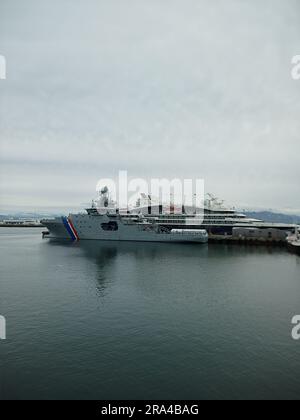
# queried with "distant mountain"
point(269, 216)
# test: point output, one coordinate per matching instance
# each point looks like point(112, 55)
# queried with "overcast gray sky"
point(195, 88)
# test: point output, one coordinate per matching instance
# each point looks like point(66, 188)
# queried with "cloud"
point(198, 88)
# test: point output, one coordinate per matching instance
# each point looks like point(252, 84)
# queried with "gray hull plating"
point(102, 227)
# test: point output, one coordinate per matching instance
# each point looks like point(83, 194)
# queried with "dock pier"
point(233, 240)
point(22, 224)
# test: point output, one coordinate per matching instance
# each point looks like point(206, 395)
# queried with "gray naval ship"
point(150, 221)
point(104, 221)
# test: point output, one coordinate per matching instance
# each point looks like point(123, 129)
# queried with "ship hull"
point(86, 227)
point(294, 248)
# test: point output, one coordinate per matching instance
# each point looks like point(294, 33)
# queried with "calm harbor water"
point(111, 320)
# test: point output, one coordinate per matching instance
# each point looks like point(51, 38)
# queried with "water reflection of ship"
point(120, 262)
point(100, 251)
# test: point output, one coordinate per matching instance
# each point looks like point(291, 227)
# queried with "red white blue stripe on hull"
point(70, 228)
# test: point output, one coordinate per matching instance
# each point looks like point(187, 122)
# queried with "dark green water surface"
point(94, 320)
